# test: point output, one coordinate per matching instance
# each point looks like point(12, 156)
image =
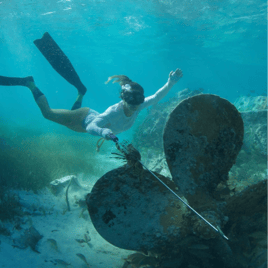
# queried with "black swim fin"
point(15, 81)
point(59, 61)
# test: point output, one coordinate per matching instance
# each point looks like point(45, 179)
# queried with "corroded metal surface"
point(132, 210)
point(250, 201)
point(202, 139)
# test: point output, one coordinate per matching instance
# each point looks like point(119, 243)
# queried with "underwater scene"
point(133, 133)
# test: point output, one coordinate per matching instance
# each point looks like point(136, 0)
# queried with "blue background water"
point(219, 45)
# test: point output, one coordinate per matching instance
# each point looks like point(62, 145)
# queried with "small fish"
point(53, 244)
point(80, 241)
point(82, 257)
point(87, 238)
point(148, 261)
point(134, 257)
point(62, 263)
point(139, 260)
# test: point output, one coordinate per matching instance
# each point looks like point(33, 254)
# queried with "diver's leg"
point(24, 81)
point(70, 119)
point(60, 62)
point(78, 102)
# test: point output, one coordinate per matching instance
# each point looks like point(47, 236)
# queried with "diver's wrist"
point(170, 83)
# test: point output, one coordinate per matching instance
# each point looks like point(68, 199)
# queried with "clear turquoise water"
point(219, 45)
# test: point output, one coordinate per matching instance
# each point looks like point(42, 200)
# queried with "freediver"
point(116, 119)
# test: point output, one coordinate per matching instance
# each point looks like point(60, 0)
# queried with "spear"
point(207, 222)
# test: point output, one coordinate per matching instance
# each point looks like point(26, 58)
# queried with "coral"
point(253, 198)
point(244, 104)
point(255, 123)
point(250, 168)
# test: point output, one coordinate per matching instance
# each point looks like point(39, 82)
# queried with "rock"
point(250, 201)
point(255, 123)
point(30, 238)
point(58, 186)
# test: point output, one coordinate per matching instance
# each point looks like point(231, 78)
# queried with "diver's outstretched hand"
point(113, 138)
point(174, 77)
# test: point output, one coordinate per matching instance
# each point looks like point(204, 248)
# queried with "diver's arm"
point(100, 125)
point(173, 78)
point(96, 128)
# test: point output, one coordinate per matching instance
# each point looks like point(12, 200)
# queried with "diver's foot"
point(82, 90)
point(77, 105)
point(28, 79)
point(78, 102)
point(29, 82)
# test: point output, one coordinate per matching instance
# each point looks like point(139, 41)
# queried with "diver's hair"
point(137, 89)
point(121, 79)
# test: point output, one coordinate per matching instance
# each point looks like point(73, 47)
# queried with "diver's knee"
point(47, 115)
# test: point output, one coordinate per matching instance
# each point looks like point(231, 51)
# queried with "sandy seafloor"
point(49, 216)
